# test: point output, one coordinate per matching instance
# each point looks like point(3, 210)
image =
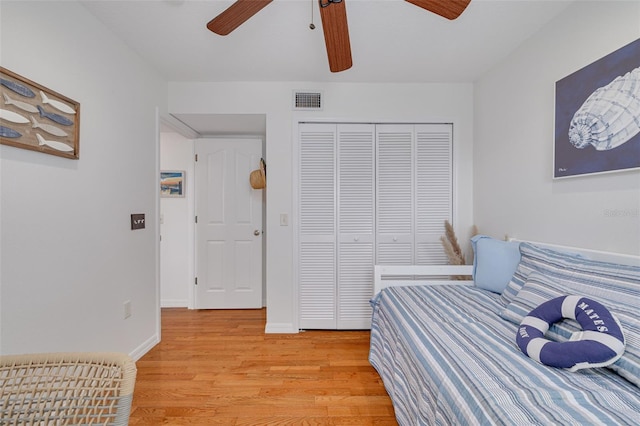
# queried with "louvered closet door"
point(356, 171)
point(434, 200)
point(394, 194)
point(317, 226)
point(367, 194)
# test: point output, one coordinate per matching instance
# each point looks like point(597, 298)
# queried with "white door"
point(336, 225)
point(414, 192)
point(317, 226)
point(229, 225)
point(366, 194)
point(433, 190)
point(356, 224)
point(395, 207)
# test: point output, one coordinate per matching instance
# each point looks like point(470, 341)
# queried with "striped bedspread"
point(447, 358)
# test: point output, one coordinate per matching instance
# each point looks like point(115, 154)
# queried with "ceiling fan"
point(334, 22)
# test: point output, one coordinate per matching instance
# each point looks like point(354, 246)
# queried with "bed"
point(446, 350)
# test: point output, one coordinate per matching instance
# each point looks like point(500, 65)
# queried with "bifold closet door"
point(317, 226)
point(395, 210)
point(336, 231)
point(368, 193)
point(433, 190)
point(356, 224)
point(413, 192)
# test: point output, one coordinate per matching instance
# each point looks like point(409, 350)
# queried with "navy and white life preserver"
point(600, 343)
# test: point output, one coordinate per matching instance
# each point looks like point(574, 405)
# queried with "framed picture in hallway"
point(172, 183)
point(597, 110)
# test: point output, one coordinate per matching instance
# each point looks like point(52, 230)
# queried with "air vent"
point(307, 100)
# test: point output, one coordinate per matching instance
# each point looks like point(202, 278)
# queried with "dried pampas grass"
point(452, 248)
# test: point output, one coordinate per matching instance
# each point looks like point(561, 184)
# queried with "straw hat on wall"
point(258, 178)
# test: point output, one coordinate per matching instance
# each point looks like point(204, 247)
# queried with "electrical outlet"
point(127, 309)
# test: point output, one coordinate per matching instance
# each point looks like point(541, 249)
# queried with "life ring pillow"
point(600, 343)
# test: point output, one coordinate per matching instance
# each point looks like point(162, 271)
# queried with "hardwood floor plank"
point(219, 368)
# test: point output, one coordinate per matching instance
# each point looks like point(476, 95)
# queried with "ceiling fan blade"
point(336, 34)
point(235, 15)
point(449, 9)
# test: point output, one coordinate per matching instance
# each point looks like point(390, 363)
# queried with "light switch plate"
point(137, 221)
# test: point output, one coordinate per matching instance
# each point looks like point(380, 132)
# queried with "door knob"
point(256, 232)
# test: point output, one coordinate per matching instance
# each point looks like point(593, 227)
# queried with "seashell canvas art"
point(597, 116)
point(610, 116)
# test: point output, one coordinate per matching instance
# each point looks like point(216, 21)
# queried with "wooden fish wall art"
point(37, 118)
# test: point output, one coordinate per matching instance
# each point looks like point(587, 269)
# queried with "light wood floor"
point(219, 368)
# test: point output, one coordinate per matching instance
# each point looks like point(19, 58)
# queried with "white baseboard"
point(145, 347)
point(174, 303)
point(280, 328)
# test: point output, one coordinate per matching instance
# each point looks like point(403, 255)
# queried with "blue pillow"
point(494, 262)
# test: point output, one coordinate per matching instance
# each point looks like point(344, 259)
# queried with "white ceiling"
point(391, 40)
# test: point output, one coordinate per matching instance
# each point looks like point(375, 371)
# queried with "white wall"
point(69, 259)
point(176, 224)
point(343, 102)
point(514, 107)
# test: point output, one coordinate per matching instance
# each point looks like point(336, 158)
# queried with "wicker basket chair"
point(66, 389)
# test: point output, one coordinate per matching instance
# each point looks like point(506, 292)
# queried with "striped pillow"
point(546, 261)
point(616, 286)
point(535, 292)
